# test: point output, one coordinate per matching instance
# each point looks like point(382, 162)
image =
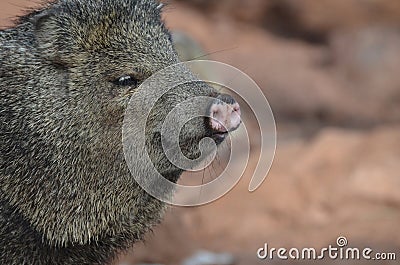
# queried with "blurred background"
point(331, 72)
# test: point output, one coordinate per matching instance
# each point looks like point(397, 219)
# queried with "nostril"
point(236, 109)
point(218, 117)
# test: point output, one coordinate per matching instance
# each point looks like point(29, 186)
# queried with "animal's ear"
point(53, 41)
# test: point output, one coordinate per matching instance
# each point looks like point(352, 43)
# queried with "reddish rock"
point(308, 19)
point(340, 183)
point(353, 81)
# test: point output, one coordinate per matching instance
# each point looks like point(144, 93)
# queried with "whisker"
point(215, 52)
point(201, 188)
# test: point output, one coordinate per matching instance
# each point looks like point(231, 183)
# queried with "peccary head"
point(80, 63)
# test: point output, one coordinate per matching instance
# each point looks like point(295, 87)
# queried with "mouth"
point(219, 137)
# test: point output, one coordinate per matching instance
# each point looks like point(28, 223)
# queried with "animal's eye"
point(126, 80)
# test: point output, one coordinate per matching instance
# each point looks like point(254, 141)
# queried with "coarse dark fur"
point(67, 196)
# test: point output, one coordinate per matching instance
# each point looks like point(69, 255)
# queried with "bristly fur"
point(66, 193)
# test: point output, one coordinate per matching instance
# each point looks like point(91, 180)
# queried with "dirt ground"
point(330, 73)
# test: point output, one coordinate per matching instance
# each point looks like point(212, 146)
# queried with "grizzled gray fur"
point(67, 73)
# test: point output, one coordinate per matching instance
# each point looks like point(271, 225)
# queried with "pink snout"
point(224, 115)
